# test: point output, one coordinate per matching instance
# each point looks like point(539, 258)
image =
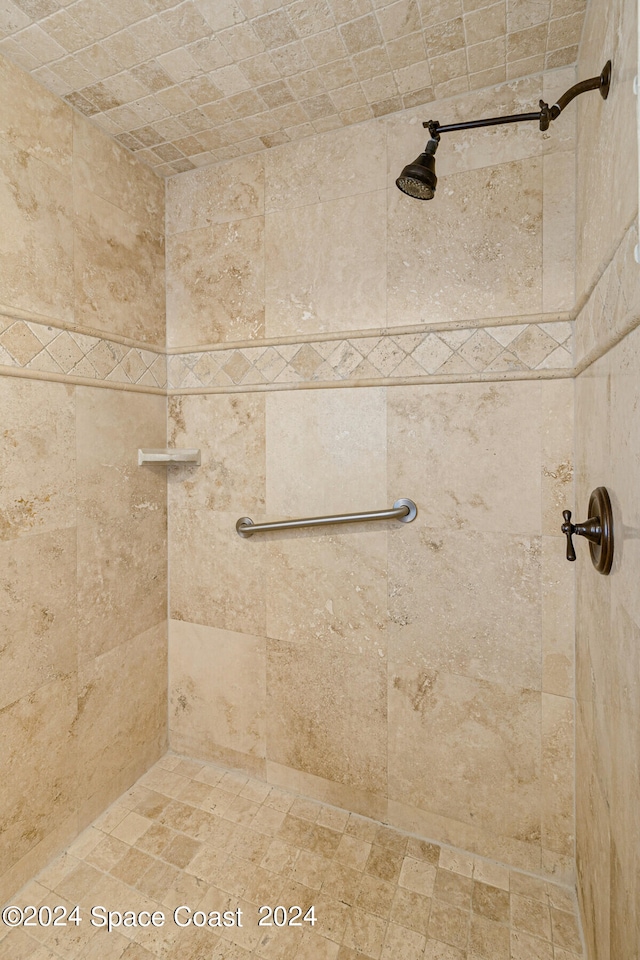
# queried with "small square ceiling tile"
point(245, 75)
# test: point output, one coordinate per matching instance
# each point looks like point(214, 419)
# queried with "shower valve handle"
point(569, 529)
point(598, 530)
point(591, 529)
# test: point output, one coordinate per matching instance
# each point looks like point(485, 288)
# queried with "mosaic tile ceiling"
point(185, 84)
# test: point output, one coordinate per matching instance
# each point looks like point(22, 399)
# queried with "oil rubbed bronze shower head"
point(418, 179)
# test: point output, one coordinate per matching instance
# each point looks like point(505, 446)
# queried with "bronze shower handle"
point(590, 529)
point(569, 529)
point(598, 530)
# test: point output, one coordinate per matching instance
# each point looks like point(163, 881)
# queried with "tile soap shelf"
point(168, 456)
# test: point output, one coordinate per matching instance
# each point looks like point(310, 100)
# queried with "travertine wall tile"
point(119, 267)
point(40, 763)
point(624, 468)
point(122, 525)
point(38, 489)
point(339, 164)
point(217, 578)
point(325, 266)
point(607, 151)
point(457, 744)
point(215, 283)
point(612, 308)
point(337, 464)
point(558, 619)
point(593, 850)
point(624, 822)
point(38, 611)
point(223, 587)
point(105, 168)
point(557, 424)
point(37, 236)
point(329, 589)
point(217, 690)
point(230, 432)
point(453, 266)
point(558, 231)
point(222, 193)
point(462, 451)
point(481, 591)
point(558, 766)
point(34, 120)
point(327, 713)
point(121, 724)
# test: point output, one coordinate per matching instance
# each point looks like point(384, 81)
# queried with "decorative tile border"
point(46, 349)
point(508, 350)
point(463, 353)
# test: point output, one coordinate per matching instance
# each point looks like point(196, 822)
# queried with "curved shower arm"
point(600, 83)
point(545, 115)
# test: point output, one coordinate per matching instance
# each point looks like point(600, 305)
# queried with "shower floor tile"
point(193, 843)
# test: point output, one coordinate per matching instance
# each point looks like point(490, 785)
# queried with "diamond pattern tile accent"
point(533, 346)
point(65, 351)
point(432, 353)
point(20, 343)
point(306, 361)
point(46, 349)
point(344, 359)
point(395, 357)
point(237, 367)
point(505, 335)
point(480, 350)
point(185, 83)
point(387, 355)
point(452, 352)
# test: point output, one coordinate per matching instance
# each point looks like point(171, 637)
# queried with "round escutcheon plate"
point(602, 553)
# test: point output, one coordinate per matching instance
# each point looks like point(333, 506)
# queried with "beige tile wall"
point(608, 453)
point(608, 667)
point(82, 528)
point(83, 222)
point(607, 150)
point(421, 673)
point(418, 673)
point(345, 718)
point(313, 237)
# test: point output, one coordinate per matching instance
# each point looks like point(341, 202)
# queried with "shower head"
point(418, 179)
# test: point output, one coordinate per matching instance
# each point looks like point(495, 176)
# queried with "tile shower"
point(402, 704)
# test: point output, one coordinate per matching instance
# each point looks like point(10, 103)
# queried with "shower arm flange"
point(544, 115)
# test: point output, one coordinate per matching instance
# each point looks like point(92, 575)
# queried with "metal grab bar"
point(404, 510)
